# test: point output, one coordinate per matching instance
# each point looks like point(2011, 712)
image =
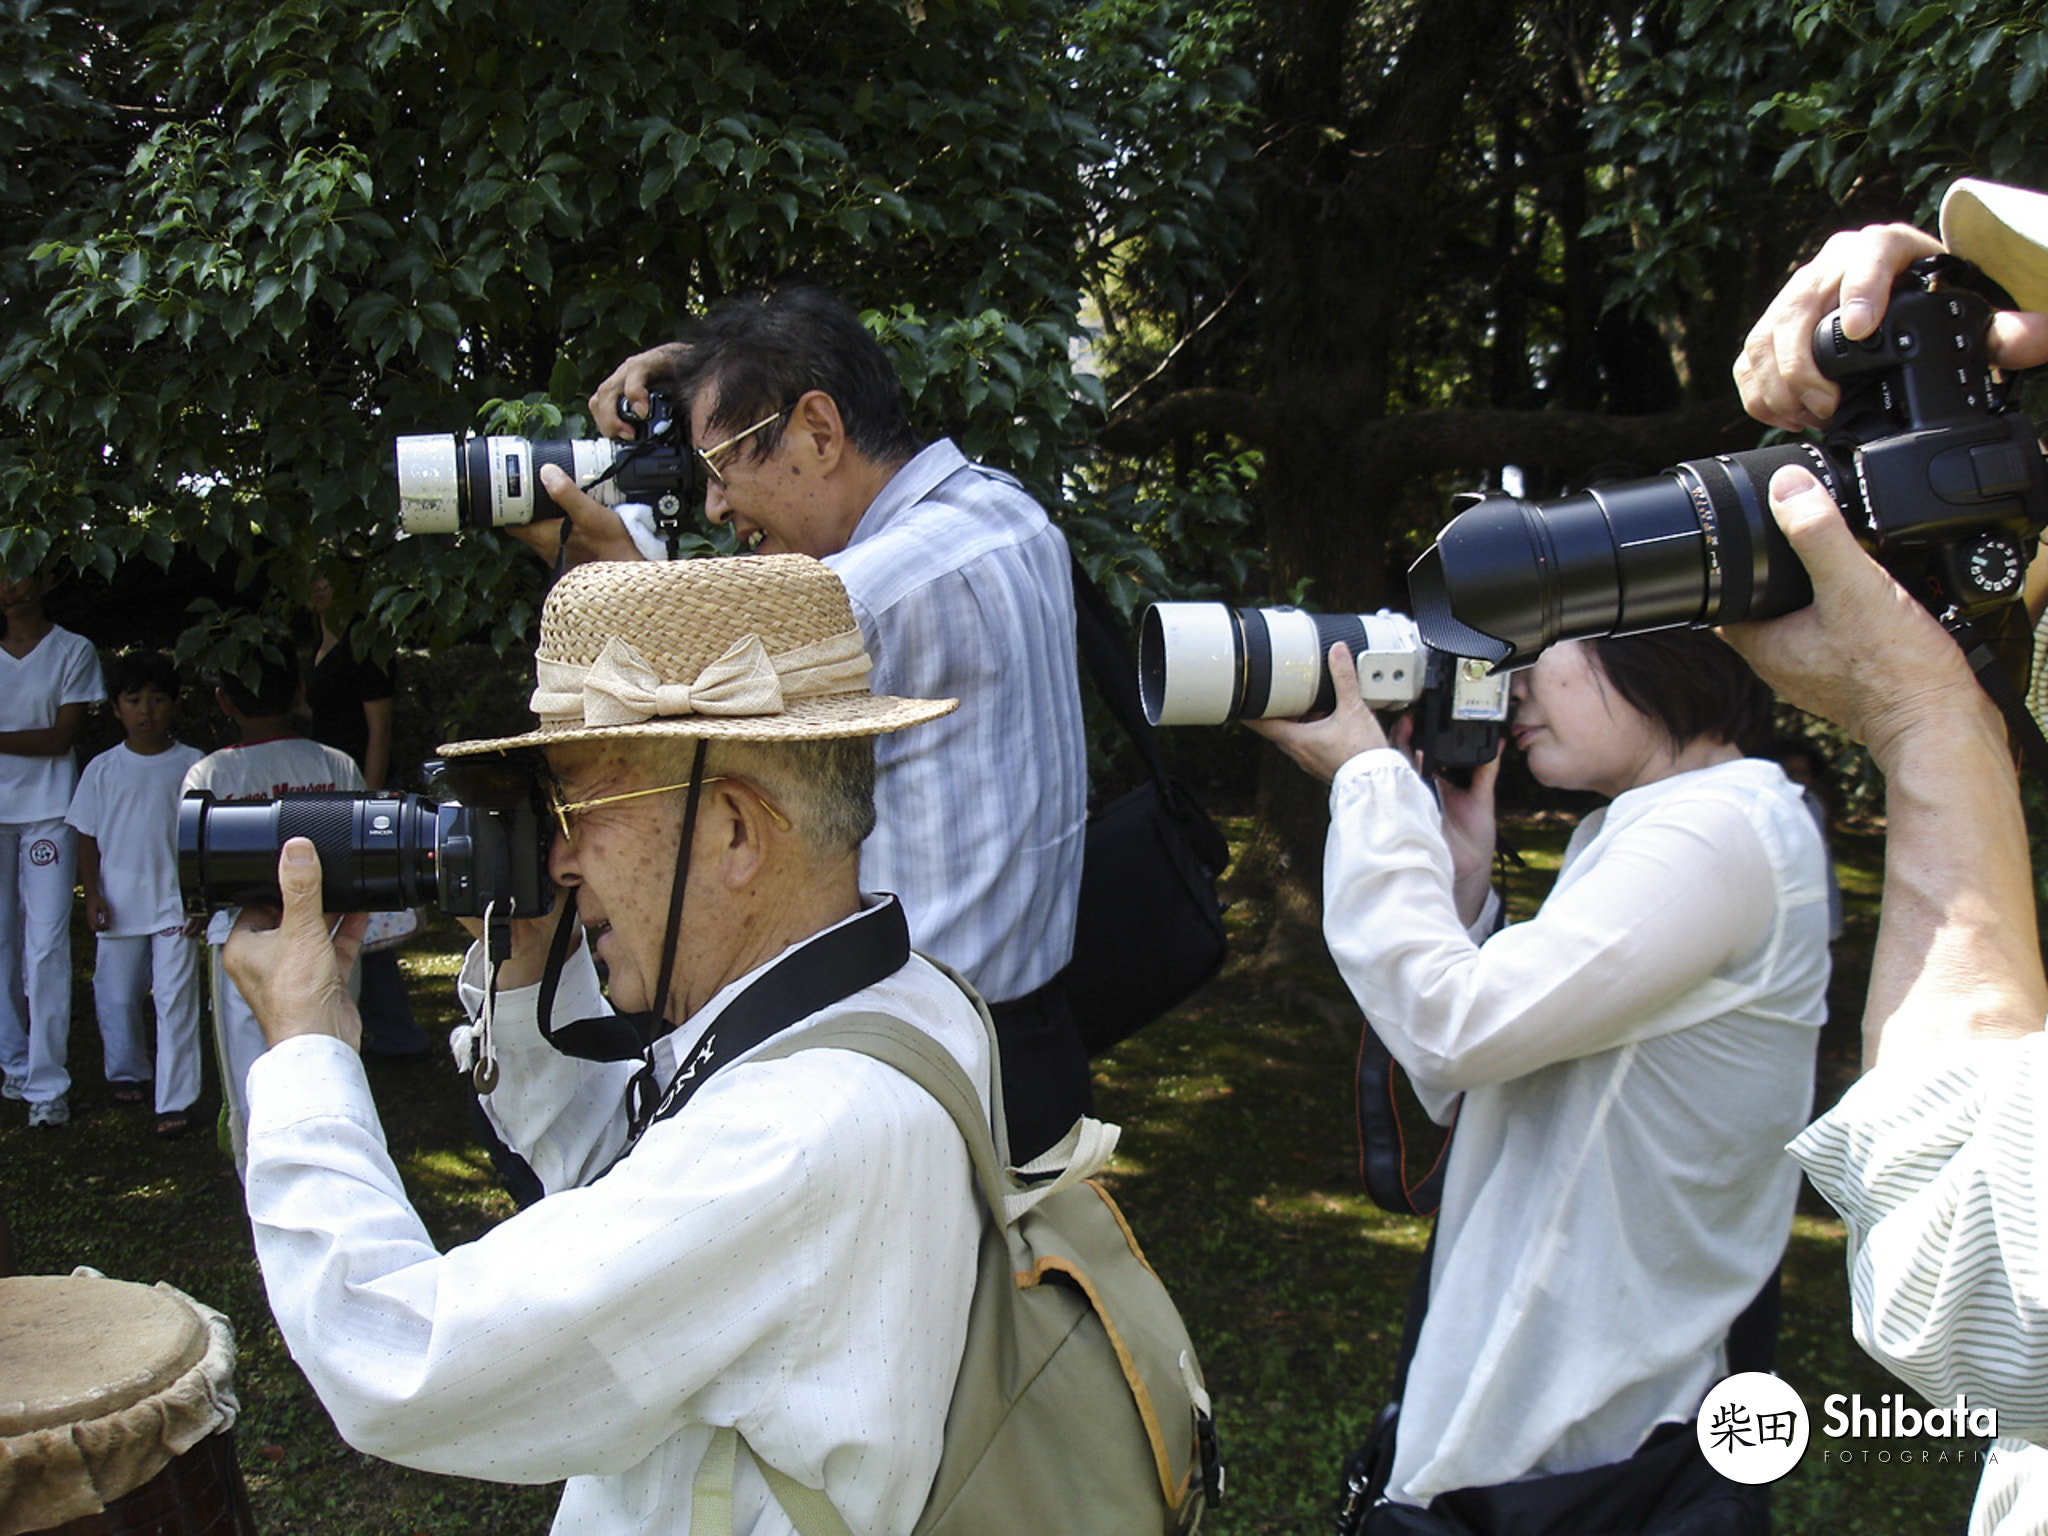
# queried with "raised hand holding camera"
point(1938, 476)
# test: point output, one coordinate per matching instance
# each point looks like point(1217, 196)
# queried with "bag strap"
point(711, 1492)
point(1099, 635)
point(908, 1049)
point(1105, 652)
point(1078, 1155)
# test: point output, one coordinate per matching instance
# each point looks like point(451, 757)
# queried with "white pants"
point(38, 860)
point(238, 1041)
point(128, 971)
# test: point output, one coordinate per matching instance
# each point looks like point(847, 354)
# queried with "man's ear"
point(818, 431)
point(741, 827)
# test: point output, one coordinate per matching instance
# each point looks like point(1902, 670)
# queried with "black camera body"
point(447, 482)
point(1943, 482)
point(478, 840)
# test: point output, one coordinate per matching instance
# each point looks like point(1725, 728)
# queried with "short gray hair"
point(825, 786)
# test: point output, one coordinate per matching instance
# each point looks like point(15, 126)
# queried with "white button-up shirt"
point(791, 1254)
point(1632, 1061)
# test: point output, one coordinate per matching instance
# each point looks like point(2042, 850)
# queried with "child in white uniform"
point(271, 759)
point(125, 811)
point(49, 677)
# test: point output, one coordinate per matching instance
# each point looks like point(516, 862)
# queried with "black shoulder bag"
point(1149, 930)
point(1665, 1489)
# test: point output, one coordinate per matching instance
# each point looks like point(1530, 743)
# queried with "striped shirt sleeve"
point(1938, 1169)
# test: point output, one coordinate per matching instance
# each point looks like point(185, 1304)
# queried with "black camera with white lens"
point(446, 482)
point(477, 840)
point(1205, 663)
point(1942, 480)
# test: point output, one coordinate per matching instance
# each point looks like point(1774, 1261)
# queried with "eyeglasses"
point(564, 810)
point(707, 456)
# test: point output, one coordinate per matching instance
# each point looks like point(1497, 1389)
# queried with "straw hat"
point(2005, 231)
point(756, 648)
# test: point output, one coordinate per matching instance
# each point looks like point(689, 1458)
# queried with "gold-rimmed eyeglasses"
point(566, 809)
point(708, 457)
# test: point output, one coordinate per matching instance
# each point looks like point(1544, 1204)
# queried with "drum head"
point(74, 1347)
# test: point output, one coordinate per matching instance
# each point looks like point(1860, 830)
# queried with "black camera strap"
point(627, 1036)
point(856, 955)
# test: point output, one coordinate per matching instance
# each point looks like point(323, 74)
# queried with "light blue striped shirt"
point(963, 589)
point(1937, 1163)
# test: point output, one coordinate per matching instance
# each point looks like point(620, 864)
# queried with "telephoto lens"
point(1205, 663)
point(1691, 546)
point(380, 852)
point(446, 482)
point(1939, 477)
point(376, 851)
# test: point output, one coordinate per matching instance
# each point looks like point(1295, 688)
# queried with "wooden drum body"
point(117, 1410)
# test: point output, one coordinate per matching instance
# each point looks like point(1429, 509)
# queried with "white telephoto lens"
point(592, 457)
point(1298, 669)
point(429, 496)
point(1188, 665)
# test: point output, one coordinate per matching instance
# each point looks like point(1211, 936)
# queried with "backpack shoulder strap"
point(925, 1062)
point(711, 1492)
point(932, 1067)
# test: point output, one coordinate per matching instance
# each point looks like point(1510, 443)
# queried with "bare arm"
point(1957, 957)
point(52, 740)
point(377, 748)
point(97, 915)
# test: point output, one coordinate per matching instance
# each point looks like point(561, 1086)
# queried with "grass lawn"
point(1237, 1168)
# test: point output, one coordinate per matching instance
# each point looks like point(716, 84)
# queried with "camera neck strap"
point(1996, 680)
point(830, 968)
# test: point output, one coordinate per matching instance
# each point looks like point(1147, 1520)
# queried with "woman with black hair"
point(1631, 1060)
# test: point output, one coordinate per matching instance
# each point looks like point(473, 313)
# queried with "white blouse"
point(1632, 1060)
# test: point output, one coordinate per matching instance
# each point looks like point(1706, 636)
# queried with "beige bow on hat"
point(621, 688)
point(759, 648)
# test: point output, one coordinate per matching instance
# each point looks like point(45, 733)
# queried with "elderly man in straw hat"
point(783, 1247)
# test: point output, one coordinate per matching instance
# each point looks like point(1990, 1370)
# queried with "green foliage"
point(1720, 115)
point(303, 229)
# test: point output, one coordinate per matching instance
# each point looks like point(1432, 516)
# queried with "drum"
point(117, 1410)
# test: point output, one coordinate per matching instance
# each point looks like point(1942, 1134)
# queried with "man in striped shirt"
point(962, 588)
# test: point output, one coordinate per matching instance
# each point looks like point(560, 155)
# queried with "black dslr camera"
point(480, 841)
point(1942, 480)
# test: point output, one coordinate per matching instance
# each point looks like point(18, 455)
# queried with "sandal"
point(129, 1093)
point(173, 1125)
